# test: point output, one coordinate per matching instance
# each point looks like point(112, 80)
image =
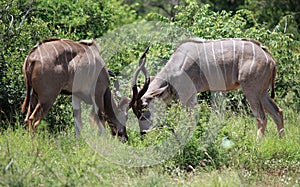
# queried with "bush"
point(23, 23)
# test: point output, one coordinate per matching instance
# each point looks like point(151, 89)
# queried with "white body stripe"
point(222, 51)
point(223, 60)
point(215, 60)
point(66, 58)
point(48, 53)
point(242, 57)
point(88, 60)
point(55, 50)
point(94, 60)
point(72, 61)
point(187, 55)
point(234, 62)
point(206, 58)
point(70, 50)
point(213, 51)
point(253, 56)
point(233, 51)
point(267, 60)
point(198, 52)
point(41, 57)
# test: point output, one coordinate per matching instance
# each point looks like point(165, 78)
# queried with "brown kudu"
point(57, 66)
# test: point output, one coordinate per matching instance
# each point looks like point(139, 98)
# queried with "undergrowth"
point(61, 159)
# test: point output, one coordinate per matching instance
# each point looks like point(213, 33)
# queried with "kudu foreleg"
point(257, 110)
point(98, 108)
point(77, 114)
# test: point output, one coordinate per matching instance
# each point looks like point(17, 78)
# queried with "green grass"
point(61, 159)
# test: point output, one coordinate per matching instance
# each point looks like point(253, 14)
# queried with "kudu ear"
point(158, 92)
point(115, 83)
point(124, 103)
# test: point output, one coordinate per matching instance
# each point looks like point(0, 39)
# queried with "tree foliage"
point(273, 12)
point(269, 12)
point(24, 22)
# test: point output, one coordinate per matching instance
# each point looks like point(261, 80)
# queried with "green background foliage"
point(24, 23)
point(275, 24)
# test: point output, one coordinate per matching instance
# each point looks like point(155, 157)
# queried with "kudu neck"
point(110, 107)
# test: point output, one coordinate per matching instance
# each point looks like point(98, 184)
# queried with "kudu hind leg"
point(32, 120)
point(36, 112)
point(32, 104)
point(257, 110)
point(275, 112)
point(38, 118)
point(35, 118)
point(29, 111)
point(40, 112)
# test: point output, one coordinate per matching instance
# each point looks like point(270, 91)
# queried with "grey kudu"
point(217, 65)
point(57, 66)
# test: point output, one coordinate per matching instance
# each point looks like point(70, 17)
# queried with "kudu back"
point(57, 66)
point(216, 65)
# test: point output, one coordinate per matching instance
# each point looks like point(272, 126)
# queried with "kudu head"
point(137, 103)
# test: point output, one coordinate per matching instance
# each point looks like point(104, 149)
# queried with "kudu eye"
point(144, 107)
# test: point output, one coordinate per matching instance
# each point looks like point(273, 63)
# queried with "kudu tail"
point(27, 77)
point(273, 82)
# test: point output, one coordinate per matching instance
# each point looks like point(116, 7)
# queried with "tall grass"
point(61, 159)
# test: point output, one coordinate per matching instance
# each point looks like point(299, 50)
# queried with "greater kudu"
point(225, 64)
point(57, 66)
